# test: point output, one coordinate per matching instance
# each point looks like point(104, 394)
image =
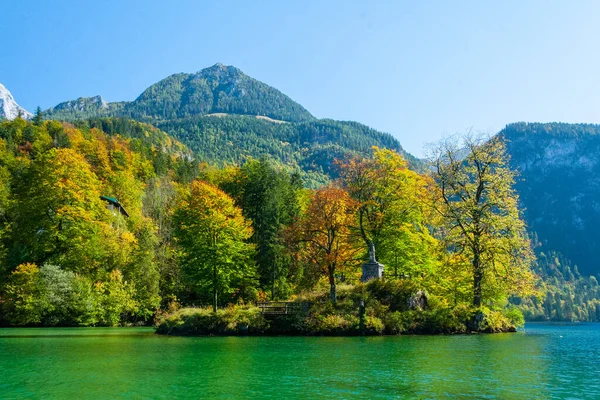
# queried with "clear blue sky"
point(416, 69)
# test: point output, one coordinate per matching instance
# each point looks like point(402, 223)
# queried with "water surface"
point(558, 361)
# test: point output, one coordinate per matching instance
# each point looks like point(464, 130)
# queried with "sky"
point(419, 70)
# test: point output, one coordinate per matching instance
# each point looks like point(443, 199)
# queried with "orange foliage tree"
point(325, 233)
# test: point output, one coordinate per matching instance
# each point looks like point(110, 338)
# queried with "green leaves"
point(481, 222)
point(211, 233)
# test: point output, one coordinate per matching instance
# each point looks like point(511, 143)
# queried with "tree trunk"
point(273, 283)
point(214, 288)
point(332, 289)
point(477, 278)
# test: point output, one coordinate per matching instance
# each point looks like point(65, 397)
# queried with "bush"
point(393, 293)
point(515, 316)
point(334, 324)
point(49, 296)
point(202, 321)
point(394, 323)
point(373, 325)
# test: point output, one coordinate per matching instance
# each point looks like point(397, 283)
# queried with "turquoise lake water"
point(543, 361)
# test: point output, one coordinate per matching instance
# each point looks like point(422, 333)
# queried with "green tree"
point(267, 197)
point(211, 233)
point(115, 299)
point(38, 118)
point(475, 198)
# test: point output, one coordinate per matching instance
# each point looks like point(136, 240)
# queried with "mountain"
point(84, 107)
point(225, 117)
point(559, 186)
point(218, 89)
point(9, 108)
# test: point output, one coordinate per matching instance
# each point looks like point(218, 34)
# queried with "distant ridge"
point(226, 116)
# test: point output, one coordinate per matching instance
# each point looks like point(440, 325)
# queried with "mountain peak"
point(9, 108)
point(82, 104)
point(221, 72)
point(216, 89)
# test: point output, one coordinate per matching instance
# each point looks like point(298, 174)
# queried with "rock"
point(418, 301)
point(9, 108)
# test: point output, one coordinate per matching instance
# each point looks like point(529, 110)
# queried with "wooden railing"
point(282, 307)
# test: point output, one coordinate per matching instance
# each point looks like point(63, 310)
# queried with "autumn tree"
point(211, 234)
point(391, 212)
point(475, 197)
point(58, 216)
point(325, 233)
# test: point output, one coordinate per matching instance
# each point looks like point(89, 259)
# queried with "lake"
point(545, 360)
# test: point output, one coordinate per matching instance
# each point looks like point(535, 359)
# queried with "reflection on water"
point(557, 361)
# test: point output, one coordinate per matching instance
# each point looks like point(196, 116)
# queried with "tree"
point(58, 216)
point(211, 234)
point(391, 209)
point(325, 232)
point(38, 118)
point(267, 196)
point(475, 198)
point(159, 202)
point(24, 295)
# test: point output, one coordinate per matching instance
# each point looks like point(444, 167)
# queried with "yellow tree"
point(58, 216)
point(391, 211)
point(475, 198)
point(325, 231)
point(211, 234)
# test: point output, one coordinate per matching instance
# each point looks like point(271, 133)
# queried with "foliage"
point(203, 321)
point(211, 233)
point(190, 233)
point(476, 200)
point(568, 296)
point(325, 234)
point(391, 210)
point(268, 197)
point(51, 296)
point(343, 317)
point(51, 214)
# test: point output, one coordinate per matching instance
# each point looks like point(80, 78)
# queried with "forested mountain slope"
point(218, 89)
point(227, 117)
point(559, 186)
point(83, 108)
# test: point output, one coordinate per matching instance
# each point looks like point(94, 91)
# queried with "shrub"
point(202, 321)
point(394, 323)
point(393, 293)
point(334, 324)
point(515, 316)
point(373, 325)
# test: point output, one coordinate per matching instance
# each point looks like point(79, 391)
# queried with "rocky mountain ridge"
point(559, 186)
point(9, 108)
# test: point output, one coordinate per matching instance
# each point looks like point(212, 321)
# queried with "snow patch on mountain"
point(9, 108)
